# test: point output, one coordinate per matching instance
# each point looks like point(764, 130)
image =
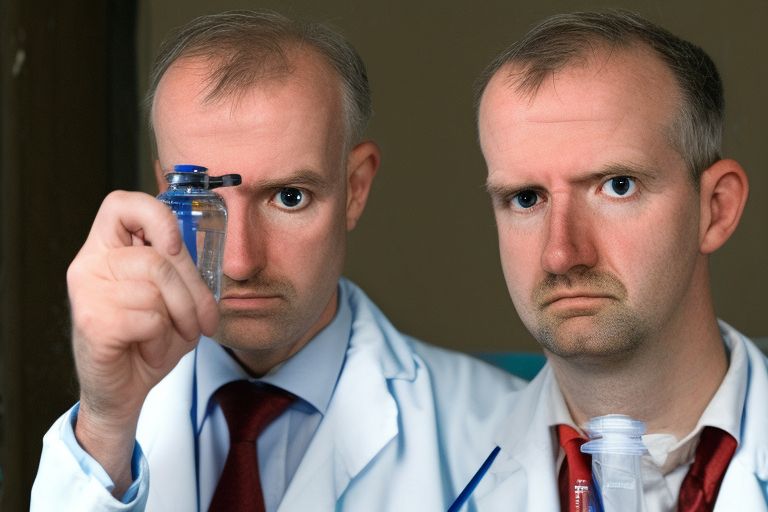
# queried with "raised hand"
point(138, 305)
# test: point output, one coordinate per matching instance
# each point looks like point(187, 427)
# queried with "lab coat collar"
point(170, 436)
point(362, 417)
point(745, 485)
point(526, 449)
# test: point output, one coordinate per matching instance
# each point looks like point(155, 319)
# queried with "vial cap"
point(615, 433)
point(189, 168)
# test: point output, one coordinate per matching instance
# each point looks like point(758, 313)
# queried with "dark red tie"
point(575, 471)
point(698, 492)
point(249, 408)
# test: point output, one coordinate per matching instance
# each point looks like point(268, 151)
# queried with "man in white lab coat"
point(368, 419)
point(602, 133)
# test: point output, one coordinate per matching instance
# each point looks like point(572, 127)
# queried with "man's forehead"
point(211, 79)
point(601, 79)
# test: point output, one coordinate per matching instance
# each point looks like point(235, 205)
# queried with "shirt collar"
point(310, 374)
point(724, 411)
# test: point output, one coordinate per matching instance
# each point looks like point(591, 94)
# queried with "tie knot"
point(249, 407)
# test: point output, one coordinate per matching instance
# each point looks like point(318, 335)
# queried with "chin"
point(245, 333)
point(591, 336)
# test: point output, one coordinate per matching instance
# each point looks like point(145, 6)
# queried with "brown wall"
point(66, 139)
point(426, 247)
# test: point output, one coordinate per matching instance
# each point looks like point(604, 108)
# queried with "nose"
point(245, 247)
point(569, 241)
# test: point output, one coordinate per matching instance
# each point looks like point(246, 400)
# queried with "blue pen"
point(470, 488)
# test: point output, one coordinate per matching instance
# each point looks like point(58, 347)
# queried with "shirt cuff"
point(92, 468)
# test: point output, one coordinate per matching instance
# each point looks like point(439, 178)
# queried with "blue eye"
point(525, 199)
point(291, 198)
point(620, 186)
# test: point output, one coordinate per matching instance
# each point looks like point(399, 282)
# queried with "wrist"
point(110, 441)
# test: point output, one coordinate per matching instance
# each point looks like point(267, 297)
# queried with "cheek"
point(520, 263)
point(655, 258)
point(307, 247)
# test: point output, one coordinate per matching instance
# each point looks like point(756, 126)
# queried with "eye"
point(290, 198)
point(620, 186)
point(525, 199)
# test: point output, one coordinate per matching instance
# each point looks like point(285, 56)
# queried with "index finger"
point(125, 215)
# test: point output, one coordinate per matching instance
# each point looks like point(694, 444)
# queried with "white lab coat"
point(406, 427)
point(523, 475)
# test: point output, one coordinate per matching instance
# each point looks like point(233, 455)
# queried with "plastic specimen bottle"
point(616, 447)
point(202, 217)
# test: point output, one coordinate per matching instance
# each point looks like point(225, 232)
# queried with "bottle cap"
point(189, 168)
point(615, 433)
point(197, 176)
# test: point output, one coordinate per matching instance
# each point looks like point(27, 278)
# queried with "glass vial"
point(202, 217)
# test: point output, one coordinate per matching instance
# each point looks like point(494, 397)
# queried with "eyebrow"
point(648, 175)
point(303, 177)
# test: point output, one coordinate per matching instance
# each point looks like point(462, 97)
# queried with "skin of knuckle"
point(76, 273)
point(164, 273)
point(155, 325)
point(117, 196)
point(112, 201)
point(88, 320)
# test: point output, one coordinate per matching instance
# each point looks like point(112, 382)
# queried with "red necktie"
point(698, 492)
point(248, 408)
point(576, 469)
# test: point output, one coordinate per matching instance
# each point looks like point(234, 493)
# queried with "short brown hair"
point(559, 40)
point(248, 46)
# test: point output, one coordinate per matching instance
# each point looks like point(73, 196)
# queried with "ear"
point(162, 184)
point(724, 188)
point(362, 163)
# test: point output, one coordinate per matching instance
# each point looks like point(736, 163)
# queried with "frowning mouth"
point(575, 299)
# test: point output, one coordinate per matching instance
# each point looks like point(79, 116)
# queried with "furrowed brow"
point(623, 169)
point(301, 178)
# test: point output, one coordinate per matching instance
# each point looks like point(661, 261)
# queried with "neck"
point(667, 383)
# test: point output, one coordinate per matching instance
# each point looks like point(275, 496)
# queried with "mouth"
point(248, 300)
point(575, 299)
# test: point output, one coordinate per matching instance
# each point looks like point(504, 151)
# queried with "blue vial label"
point(188, 227)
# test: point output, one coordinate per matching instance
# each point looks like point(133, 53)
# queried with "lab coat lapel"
point(362, 417)
point(523, 475)
point(165, 434)
point(745, 485)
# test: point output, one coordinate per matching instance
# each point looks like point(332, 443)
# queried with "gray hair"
point(248, 46)
point(696, 132)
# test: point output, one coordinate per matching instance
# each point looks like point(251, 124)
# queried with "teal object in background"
point(527, 364)
point(522, 364)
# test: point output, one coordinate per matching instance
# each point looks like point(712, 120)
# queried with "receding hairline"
point(508, 76)
point(296, 59)
point(247, 41)
point(516, 73)
point(275, 70)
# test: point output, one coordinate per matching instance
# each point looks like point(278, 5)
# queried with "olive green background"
point(426, 249)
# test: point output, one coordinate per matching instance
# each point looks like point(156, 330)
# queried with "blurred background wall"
point(71, 130)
